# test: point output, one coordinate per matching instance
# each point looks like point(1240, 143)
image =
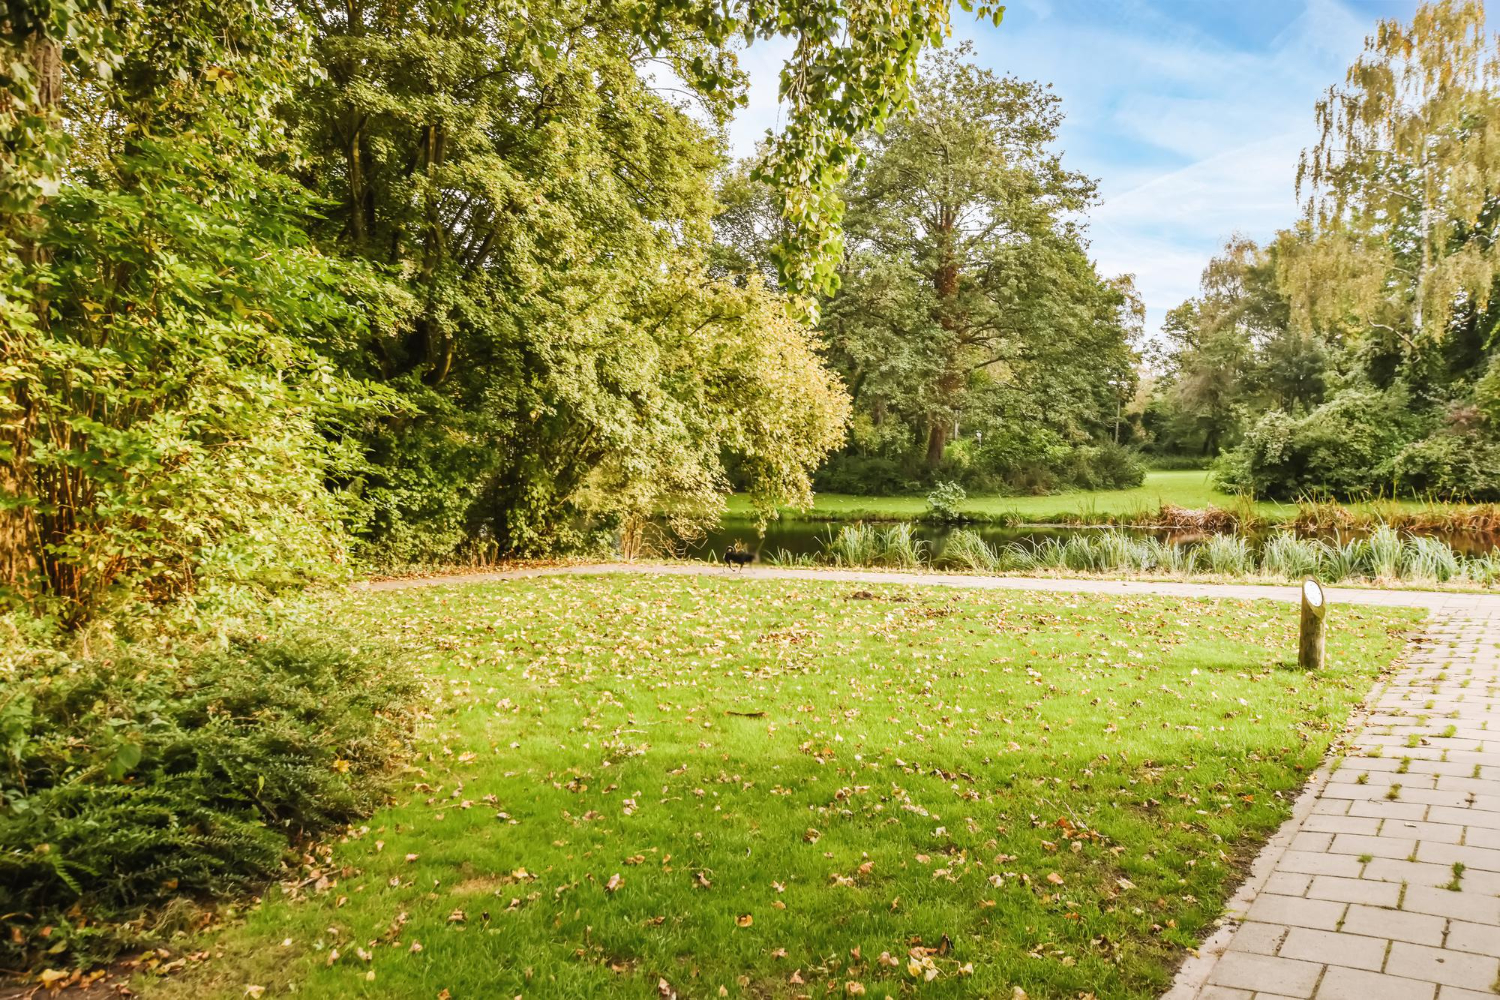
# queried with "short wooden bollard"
point(1314, 606)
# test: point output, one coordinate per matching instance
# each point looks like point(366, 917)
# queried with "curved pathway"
point(1385, 882)
point(1432, 600)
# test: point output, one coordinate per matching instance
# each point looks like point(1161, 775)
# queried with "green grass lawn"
point(1190, 488)
point(729, 787)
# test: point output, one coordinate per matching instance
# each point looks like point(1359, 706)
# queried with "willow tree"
point(1398, 234)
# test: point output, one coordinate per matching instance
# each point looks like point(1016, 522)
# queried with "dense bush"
point(1020, 463)
point(865, 476)
point(1105, 467)
point(1343, 448)
point(945, 502)
point(1038, 462)
point(1363, 442)
point(129, 778)
point(1459, 461)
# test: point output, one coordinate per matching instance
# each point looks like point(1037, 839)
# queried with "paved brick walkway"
point(1385, 883)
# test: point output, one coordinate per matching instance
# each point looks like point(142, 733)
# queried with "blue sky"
point(1190, 113)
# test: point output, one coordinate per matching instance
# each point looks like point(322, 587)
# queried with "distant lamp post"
point(1117, 385)
point(1314, 607)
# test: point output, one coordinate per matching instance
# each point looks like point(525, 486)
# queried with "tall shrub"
point(164, 399)
point(1343, 448)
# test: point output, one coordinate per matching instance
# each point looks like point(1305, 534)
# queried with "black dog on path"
point(737, 556)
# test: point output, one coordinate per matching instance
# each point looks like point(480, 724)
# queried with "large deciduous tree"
point(541, 212)
point(968, 279)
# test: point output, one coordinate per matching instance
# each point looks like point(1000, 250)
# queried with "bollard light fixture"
point(1310, 645)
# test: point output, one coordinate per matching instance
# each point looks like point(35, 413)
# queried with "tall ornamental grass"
point(1386, 555)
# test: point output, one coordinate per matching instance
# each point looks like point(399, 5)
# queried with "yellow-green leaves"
point(1395, 236)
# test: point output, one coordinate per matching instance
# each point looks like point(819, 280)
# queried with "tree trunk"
point(937, 442)
point(945, 282)
point(356, 189)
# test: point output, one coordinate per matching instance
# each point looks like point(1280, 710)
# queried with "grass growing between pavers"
point(705, 786)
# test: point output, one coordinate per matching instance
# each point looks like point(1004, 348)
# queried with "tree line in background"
point(426, 275)
point(441, 277)
point(978, 342)
point(1358, 352)
point(282, 283)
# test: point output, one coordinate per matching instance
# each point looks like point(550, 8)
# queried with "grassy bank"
point(1192, 488)
point(726, 787)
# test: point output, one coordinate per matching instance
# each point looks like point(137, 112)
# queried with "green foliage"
point(1400, 201)
point(1034, 460)
point(945, 502)
point(141, 773)
point(1014, 460)
point(1227, 350)
point(170, 417)
point(1383, 289)
point(509, 236)
point(1340, 449)
point(34, 37)
point(1460, 460)
point(567, 352)
point(866, 475)
point(968, 304)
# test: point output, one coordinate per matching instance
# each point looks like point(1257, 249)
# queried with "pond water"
point(808, 537)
